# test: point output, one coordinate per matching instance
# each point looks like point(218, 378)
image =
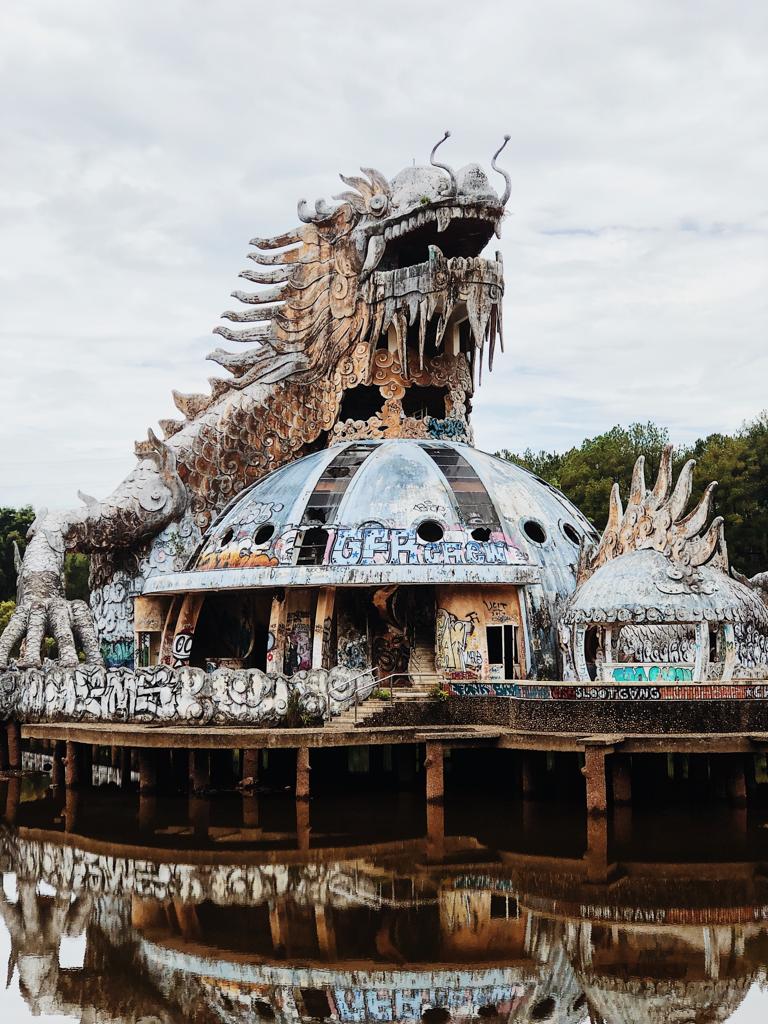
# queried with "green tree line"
point(739, 462)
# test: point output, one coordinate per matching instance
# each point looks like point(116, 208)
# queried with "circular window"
point(227, 536)
point(534, 531)
point(435, 1015)
point(481, 533)
point(430, 531)
point(263, 534)
point(572, 534)
point(544, 1009)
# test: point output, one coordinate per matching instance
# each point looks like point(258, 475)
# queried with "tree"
point(14, 523)
point(739, 462)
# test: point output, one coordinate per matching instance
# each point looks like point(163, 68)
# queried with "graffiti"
point(181, 648)
point(378, 545)
point(652, 673)
point(353, 650)
point(431, 506)
point(298, 643)
point(117, 653)
point(358, 1005)
point(455, 656)
point(391, 653)
point(496, 611)
point(163, 694)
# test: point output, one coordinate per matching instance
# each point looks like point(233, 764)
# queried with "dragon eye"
point(377, 204)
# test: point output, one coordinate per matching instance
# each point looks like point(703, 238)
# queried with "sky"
point(145, 143)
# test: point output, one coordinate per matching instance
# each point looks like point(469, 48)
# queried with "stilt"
point(435, 851)
point(147, 771)
point(57, 765)
point(597, 848)
point(72, 765)
point(147, 810)
point(199, 771)
point(302, 773)
point(71, 808)
point(125, 767)
point(303, 828)
point(3, 750)
point(199, 810)
point(434, 764)
point(13, 733)
point(736, 781)
point(250, 810)
point(325, 931)
point(12, 800)
point(250, 773)
point(527, 776)
point(621, 780)
point(594, 773)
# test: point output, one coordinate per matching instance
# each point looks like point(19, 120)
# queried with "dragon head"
point(394, 263)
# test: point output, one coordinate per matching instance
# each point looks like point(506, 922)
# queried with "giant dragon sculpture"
point(393, 259)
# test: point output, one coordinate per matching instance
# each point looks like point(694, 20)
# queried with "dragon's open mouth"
point(457, 230)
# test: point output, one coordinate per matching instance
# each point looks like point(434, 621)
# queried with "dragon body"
point(384, 293)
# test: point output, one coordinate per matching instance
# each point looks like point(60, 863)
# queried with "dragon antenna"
point(444, 167)
point(502, 172)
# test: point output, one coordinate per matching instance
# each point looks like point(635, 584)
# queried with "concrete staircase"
point(375, 707)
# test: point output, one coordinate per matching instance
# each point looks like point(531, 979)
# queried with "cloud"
point(145, 144)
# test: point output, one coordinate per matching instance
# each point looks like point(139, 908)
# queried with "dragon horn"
point(444, 167)
point(378, 180)
point(502, 172)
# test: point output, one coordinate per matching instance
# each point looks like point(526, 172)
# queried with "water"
point(356, 909)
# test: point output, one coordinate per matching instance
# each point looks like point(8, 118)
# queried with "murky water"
point(358, 909)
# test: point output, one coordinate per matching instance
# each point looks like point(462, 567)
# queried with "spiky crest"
point(656, 519)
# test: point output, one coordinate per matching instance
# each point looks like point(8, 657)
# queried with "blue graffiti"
point(117, 653)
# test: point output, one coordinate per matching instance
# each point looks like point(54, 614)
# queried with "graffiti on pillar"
point(353, 649)
point(298, 643)
point(457, 645)
point(181, 648)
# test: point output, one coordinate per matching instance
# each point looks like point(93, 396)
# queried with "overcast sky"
point(143, 144)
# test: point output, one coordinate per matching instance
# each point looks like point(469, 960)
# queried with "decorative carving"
point(656, 519)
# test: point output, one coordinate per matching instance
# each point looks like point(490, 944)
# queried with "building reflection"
point(233, 930)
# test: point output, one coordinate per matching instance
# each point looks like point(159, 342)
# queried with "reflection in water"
point(244, 915)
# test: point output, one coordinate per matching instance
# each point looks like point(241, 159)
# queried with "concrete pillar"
point(147, 810)
point(434, 764)
point(250, 772)
point(147, 771)
point(435, 851)
point(125, 767)
point(326, 933)
point(527, 775)
point(57, 766)
point(597, 848)
point(321, 655)
point(71, 808)
point(621, 780)
point(12, 800)
point(72, 765)
point(594, 774)
point(303, 827)
point(3, 750)
point(736, 781)
point(250, 811)
point(199, 810)
point(13, 733)
point(302, 773)
point(199, 771)
point(189, 922)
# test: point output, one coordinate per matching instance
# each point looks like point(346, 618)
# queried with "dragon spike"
point(249, 316)
point(615, 509)
point(276, 294)
point(364, 187)
point(355, 201)
point(279, 241)
point(87, 499)
point(248, 335)
point(190, 406)
point(710, 544)
point(322, 211)
point(694, 522)
point(444, 167)
point(278, 276)
point(378, 180)
point(170, 427)
point(276, 259)
point(505, 174)
point(637, 488)
point(663, 484)
point(236, 364)
point(682, 492)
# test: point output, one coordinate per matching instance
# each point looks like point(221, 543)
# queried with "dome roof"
point(392, 511)
point(646, 586)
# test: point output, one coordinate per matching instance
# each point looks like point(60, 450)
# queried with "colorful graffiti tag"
point(456, 654)
point(610, 691)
